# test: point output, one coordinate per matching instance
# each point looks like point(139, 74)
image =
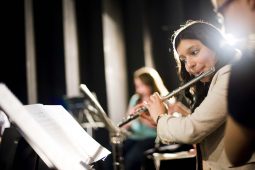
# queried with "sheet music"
point(53, 133)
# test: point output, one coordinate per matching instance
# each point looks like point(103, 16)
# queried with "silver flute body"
point(143, 109)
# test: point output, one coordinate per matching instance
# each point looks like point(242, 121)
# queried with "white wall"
point(71, 49)
point(30, 53)
point(115, 69)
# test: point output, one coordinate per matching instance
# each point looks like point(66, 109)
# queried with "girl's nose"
point(190, 63)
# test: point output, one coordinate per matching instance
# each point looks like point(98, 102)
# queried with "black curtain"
point(13, 59)
point(163, 18)
point(90, 44)
point(48, 24)
point(133, 23)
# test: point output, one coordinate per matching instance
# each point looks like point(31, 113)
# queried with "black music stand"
point(117, 135)
point(16, 153)
point(82, 110)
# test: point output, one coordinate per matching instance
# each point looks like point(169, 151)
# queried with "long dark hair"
point(213, 39)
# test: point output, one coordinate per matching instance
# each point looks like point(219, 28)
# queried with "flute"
point(138, 112)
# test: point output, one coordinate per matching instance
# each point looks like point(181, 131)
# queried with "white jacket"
point(205, 125)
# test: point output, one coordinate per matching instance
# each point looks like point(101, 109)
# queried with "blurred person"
point(240, 131)
point(198, 46)
point(143, 131)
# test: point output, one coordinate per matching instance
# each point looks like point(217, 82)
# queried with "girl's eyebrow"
point(193, 46)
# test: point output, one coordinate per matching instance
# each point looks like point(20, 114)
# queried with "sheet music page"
point(84, 143)
point(28, 127)
point(64, 150)
point(60, 124)
point(52, 133)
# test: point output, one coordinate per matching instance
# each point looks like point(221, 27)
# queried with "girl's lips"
point(198, 73)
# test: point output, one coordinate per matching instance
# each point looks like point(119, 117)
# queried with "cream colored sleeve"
point(203, 121)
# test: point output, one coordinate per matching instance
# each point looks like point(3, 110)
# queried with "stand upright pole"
point(117, 148)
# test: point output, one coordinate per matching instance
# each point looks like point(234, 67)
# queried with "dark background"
point(161, 18)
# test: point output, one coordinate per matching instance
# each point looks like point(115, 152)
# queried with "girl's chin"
point(206, 79)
